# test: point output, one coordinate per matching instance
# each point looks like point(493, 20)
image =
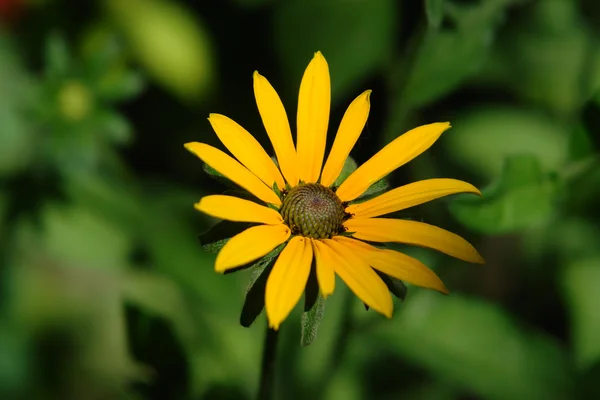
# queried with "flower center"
point(313, 210)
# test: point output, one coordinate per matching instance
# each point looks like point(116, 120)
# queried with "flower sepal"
point(215, 237)
point(219, 177)
point(255, 293)
point(348, 168)
point(314, 309)
point(311, 320)
point(394, 285)
point(374, 190)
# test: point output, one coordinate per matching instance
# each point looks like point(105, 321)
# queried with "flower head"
point(303, 207)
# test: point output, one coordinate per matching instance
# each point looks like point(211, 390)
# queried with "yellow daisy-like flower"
point(315, 219)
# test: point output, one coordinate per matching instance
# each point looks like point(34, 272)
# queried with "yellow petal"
point(277, 126)
point(287, 280)
point(236, 209)
point(414, 233)
point(250, 245)
point(314, 101)
point(325, 258)
point(361, 278)
point(246, 149)
point(350, 128)
point(395, 264)
point(397, 153)
point(410, 195)
point(233, 170)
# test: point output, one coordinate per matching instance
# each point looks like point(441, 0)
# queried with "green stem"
point(267, 370)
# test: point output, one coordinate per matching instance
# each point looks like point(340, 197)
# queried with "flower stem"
point(267, 370)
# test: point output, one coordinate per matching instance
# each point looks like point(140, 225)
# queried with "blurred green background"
point(104, 290)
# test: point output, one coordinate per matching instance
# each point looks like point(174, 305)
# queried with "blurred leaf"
point(118, 202)
point(522, 198)
point(174, 250)
point(120, 84)
point(311, 321)
point(159, 296)
point(215, 238)
point(57, 57)
point(477, 346)
point(356, 37)
point(580, 144)
point(444, 60)
point(77, 236)
point(14, 360)
point(434, 9)
point(17, 93)
point(549, 57)
point(86, 305)
point(169, 42)
point(115, 126)
point(580, 281)
point(567, 238)
point(481, 139)
point(348, 168)
point(447, 57)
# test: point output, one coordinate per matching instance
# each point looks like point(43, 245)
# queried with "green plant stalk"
point(267, 370)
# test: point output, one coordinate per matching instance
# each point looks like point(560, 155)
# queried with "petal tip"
point(219, 269)
point(190, 146)
point(443, 289)
point(274, 326)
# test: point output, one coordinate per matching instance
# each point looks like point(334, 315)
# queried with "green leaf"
point(215, 238)
point(580, 281)
point(551, 33)
point(311, 320)
point(77, 236)
point(169, 41)
point(366, 28)
point(116, 127)
point(120, 84)
point(523, 197)
point(482, 139)
point(446, 58)
point(348, 168)
point(434, 9)
point(580, 144)
point(57, 56)
point(255, 295)
point(476, 346)
point(17, 95)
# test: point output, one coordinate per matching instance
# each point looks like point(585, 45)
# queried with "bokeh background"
point(105, 292)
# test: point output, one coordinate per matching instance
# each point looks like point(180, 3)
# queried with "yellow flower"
point(314, 218)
